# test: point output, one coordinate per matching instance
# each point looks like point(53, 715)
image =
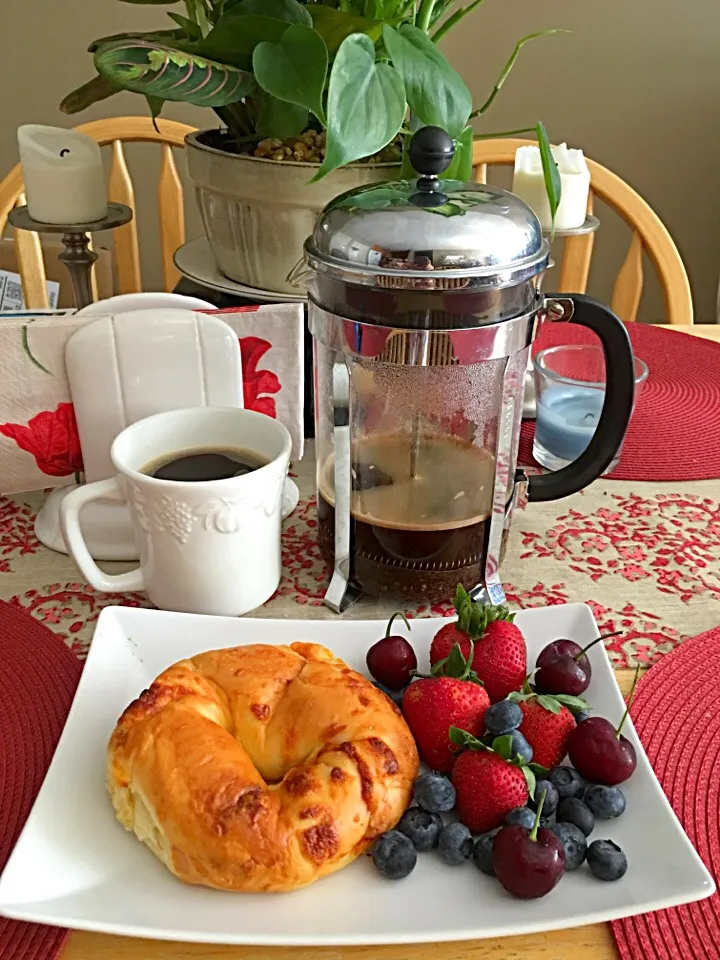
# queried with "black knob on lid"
point(431, 151)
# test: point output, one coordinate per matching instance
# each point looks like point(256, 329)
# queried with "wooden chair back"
point(113, 132)
point(648, 234)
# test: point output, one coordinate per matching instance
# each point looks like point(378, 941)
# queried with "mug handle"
point(70, 509)
point(617, 407)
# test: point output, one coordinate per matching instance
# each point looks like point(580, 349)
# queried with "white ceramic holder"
point(123, 368)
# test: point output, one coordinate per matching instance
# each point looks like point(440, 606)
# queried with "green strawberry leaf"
point(503, 746)
point(573, 703)
point(539, 770)
point(455, 664)
point(548, 703)
point(529, 780)
point(464, 739)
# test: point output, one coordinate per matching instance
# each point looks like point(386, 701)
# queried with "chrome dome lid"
point(428, 232)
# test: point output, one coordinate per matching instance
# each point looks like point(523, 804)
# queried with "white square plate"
point(75, 866)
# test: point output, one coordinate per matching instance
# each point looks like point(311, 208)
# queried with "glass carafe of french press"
point(423, 302)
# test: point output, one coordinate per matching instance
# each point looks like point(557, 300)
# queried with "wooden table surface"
point(593, 942)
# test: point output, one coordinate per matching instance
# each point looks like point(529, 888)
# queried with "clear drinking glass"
point(570, 392)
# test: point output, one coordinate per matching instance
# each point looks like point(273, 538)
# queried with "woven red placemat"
point(38, 677)
point(675, 431)
point(682, 744)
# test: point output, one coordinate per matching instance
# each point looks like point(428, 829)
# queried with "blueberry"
point(605, 802)
point(503, 717)
point(547, 821)
point(520, 746)
point(551, 797)
point(520, 817)
point(456, 844)
point(482, 854)
point(434, 792)
point(574, 842)
point(567, 781)
point(606, 860)
point(394, 855)
point(421, 827)
point(395, 695)
point(575, 811)
point(581, 715)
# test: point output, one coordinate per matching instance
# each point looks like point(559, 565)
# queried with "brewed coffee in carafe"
point(422, 474)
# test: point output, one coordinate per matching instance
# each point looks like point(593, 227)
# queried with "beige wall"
point(636, 84)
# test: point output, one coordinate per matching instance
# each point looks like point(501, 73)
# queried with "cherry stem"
point(605, 636)
point(538, 813)
point(390, 622)
point(629, 701)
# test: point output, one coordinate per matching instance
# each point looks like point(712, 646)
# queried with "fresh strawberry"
point(500, 658)
point(453, 696)
point(547, 723)
point(489, 784)
point(445, 639)
point(499, 655)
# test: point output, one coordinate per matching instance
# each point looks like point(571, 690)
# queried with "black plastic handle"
point(616, 411)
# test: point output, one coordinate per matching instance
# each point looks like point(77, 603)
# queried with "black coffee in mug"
point(194, 466)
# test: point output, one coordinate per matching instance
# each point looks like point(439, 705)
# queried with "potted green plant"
point(315, 99)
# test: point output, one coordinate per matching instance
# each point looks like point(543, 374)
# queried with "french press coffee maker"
point(424, 298)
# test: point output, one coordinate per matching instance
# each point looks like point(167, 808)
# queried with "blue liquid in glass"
point(566, 419)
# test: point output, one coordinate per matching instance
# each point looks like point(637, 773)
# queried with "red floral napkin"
point(686, 682)
point(38, 677)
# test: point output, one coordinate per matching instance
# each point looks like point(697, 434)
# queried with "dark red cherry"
point(568, 648)
point(528, 863)
point(392, 659)
point(561, 674)
point(599, 752)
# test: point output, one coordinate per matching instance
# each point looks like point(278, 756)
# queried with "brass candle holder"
point(77, 255)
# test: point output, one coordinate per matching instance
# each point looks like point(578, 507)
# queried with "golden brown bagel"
point(260, 768)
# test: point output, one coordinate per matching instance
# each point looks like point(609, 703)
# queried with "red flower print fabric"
point(52, 438)
point(257, 383)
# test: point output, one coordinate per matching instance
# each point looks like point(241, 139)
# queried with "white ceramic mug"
point(210, 546)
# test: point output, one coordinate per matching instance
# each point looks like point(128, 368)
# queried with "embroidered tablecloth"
point(645, 556)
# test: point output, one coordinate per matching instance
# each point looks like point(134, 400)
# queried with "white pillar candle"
point(63, 175)
point(529, 185)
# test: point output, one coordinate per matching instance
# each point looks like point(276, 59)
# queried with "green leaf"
point(188, 26)
point(169, 37)
point(91, 92)
point(553, 184)
point(295, 68)
point(334, 26)
point(573, 703)
point(464, 739)
point(155, 104)
point(278, 118)
point(461, 166)
point(455, 663)
point(539, 770)
point(529, 780)
point(503, 746)
point(158, 71)
point(366, 104)
point(288, 10)
point(236, 34)
point(549, 703)
point(436, 93)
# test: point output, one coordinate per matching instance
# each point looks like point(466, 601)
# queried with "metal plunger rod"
point(419, 355)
